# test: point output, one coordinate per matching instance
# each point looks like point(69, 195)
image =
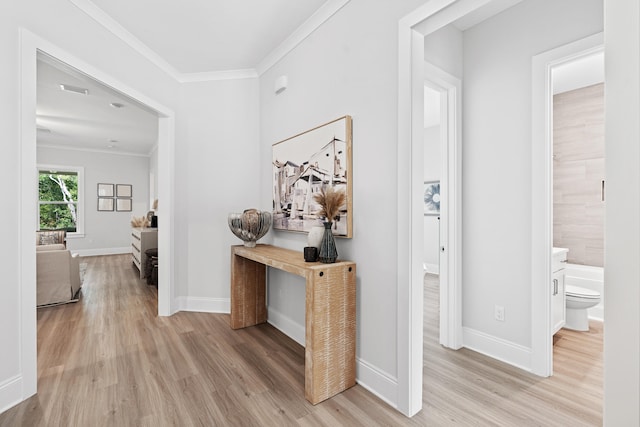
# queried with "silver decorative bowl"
point(250, 225)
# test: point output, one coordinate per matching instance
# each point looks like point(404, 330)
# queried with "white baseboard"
point(286, 325)
point(377, 382)
point(431, 268)
point(11, 393)
point(204, 305)
point(497, 348)
point(102, 251)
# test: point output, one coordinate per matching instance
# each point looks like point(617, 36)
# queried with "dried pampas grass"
point(330, 200)
point(139, 222)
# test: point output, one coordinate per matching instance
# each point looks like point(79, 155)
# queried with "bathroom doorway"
point(564, 71)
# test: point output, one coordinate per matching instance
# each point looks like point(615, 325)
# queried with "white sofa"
point(58, 275)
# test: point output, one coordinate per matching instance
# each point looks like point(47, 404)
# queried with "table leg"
point(248, 292)
point(330, 342)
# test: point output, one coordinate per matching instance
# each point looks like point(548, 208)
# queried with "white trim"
point(94, 150)
point(326, 11)
point(9, 390)
point(102, 251)
point(286, 325)
point(497, 348)
point(450, 268)
point(377, 382)
point(209, 76)
point(119, 31)
point(203, 305)
point(541, 194)
point(410, 213)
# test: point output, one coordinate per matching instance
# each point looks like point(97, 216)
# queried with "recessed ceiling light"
point(117, 105)
point(74, 89)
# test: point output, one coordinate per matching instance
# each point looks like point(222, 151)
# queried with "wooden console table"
point(330, 312)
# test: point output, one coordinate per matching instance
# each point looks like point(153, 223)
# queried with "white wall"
point(220, 123)
point(432, 160)
point(444, 49)
point(105, 232)
point(496, 156)
point(348, 66)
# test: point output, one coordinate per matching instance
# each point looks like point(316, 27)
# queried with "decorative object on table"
point(314, 238)
point(431, 197)
point(153, 219)
point(330, 200)
point(302, 165)
point(310, 253)
point(250, 225)
point(139, 222)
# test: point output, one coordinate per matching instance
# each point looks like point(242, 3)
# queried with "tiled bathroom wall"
point(578, 173)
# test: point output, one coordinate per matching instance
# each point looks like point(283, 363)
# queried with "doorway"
point(29, 48)
point(542, 194)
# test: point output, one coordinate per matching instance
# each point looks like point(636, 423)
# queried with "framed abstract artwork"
point(304, 165)
point(431, 197)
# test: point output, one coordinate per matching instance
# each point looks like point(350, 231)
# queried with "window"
point(60, 192)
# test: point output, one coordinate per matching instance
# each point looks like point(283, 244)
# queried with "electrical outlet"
point(499, 313)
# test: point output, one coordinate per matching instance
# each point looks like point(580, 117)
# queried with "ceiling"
point(196, 36)
point(89, 122)
point(191, 36)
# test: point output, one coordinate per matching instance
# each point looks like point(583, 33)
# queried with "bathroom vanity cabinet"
point(558, 299)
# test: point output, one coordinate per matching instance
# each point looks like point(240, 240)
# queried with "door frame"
point(412, 29)
point(450, 89)
point(542, 194)
point(30, 44)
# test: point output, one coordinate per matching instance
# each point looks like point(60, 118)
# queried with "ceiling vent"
point(74, 89)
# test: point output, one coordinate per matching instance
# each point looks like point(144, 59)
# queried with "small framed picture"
point(123, 205)
point(431, 197)
point(105, 190)
point(123, 190)
point(105, 204)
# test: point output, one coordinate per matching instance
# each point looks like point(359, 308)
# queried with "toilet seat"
point(578, 292)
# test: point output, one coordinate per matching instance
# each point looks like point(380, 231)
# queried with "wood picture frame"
point(305, 163)
point(124, 190)
point(105, 190)
point(105, 204)
point(123, 205)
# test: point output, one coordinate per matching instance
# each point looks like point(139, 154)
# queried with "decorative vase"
point(250, 225)
point(314, 238)
point(328, 252)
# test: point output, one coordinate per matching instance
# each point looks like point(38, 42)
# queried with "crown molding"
point(94, 150)
point(208, 76)
point(300, 34)
point(119, 31)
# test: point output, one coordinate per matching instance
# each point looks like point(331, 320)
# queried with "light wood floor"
point(108, 360)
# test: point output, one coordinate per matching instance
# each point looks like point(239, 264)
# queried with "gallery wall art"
point(305, 164)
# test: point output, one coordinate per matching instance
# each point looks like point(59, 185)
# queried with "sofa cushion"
point(56, 247)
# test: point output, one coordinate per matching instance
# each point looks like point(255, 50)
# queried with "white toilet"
point(578, 301)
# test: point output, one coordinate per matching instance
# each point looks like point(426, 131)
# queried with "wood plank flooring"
point(109, 360)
